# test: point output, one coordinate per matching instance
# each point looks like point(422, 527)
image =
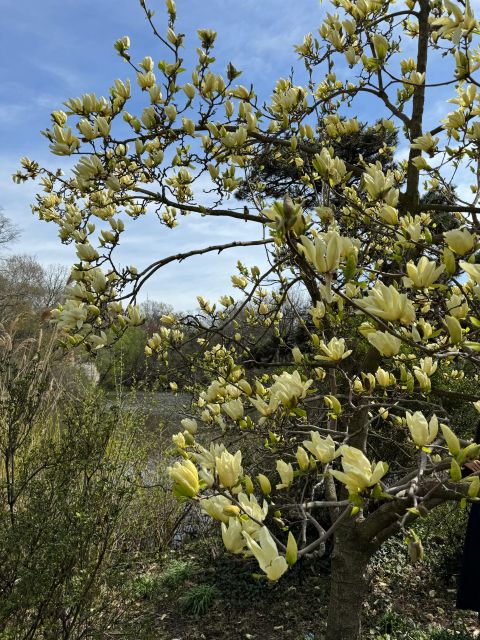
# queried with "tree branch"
point(179, 257)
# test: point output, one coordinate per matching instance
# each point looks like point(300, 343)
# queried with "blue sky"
point(55, 49)
point(51, 50)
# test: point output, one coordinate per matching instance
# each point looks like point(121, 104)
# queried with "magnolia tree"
point(393, 292)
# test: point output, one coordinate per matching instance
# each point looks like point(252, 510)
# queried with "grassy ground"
point(202, 592)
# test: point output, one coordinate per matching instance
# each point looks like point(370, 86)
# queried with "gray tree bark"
point(349, 585)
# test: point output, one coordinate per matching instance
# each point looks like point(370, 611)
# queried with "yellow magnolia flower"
point(302, 459)
point(229, 468)
point(244, 386)
point(322, 448)
point(381, 45)
point(285, 216)
point(412, 229)
point(252, 509)
point(285, 471)
point(171, 112)
point(423, 380)
point(185, 478)
point(334, 404)
point(98, 280)
point(457, 306)
point(179, 440)
point(248, 484)
point(424, 274)
point(86, 252)
point(421, 431)
point(190, 425)
point(385, 343)
point(297, 355)
point(388, 214)
point(266, 554)
point(188, 126)
point(454, 329)
point(384, 378)
point(454, 120)
point(460, 241)
point(358, 386)
point(416, 78)
point(288, 388)
point(380, 185)
point(232, 535)
point(335, 350)
point(428, 366)
point(239, 282)
point(263, 308)
point(473, 270)
point(206, 457)
point(234, 409)
point(232, 511)
point(388, 304)
point(329, 166)
point(474, 487)
point(420, 163)
point(317, 313)
point(189, 90)
point(215, 507)
point(327, 250)
point(265, 408)
point(71, 315)
point(425, 143)
point(358, 473)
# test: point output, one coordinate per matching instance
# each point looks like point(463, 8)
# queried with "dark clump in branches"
point(275, 169)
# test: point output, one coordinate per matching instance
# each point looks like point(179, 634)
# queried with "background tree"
point(9, 232)
point(393, 297)
point(25, 284)
point(275, 170)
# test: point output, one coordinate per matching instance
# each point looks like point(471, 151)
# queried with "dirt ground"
point(246, 607)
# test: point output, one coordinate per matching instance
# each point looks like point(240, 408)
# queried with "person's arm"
point(473, 466)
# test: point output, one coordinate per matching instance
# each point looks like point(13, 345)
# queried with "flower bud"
point(189, 90)
point(248, 484)
point(291, 554)
point(231, 510)
point(264, 483)
point(171, 8)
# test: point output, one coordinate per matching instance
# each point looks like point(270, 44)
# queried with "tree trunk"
point(348, 587)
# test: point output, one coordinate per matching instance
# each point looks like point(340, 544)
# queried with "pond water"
point(161, 410)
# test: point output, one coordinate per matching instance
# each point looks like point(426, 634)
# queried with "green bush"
point(145, 586)
point(198, 599)
point(443, 534)
point(176, 572)
point(72, 502)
